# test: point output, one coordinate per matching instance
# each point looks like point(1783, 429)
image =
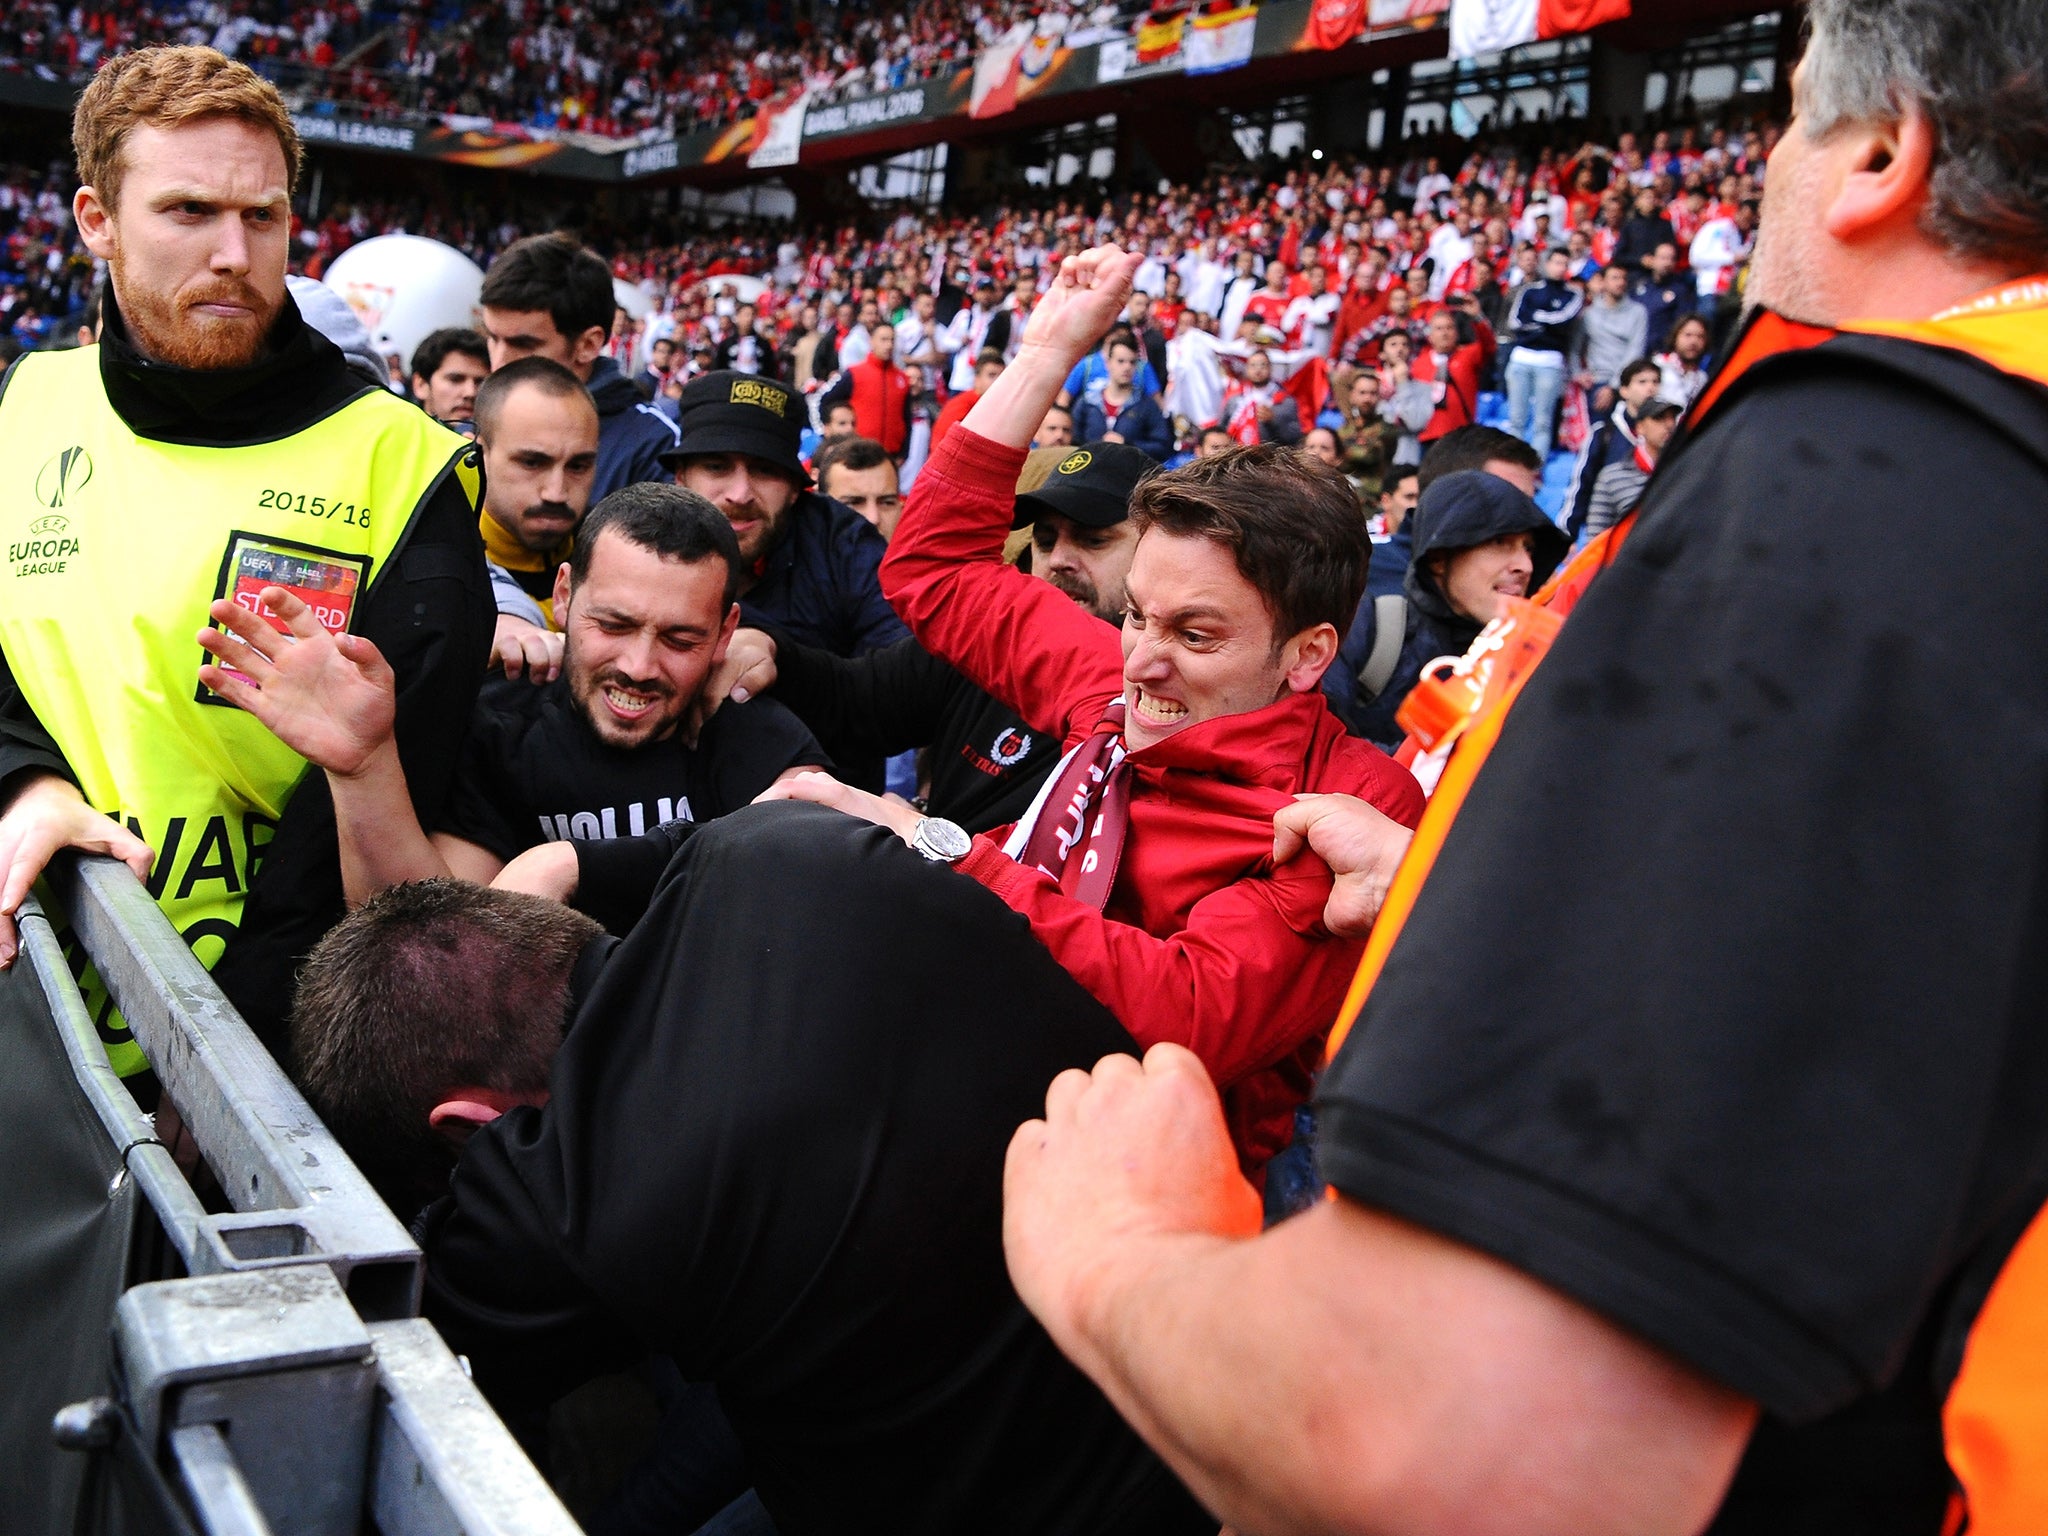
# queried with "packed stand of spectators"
point(1520, 271)
point(618, 70)
point(46, 274)
point(69, 41)
point(607, 69)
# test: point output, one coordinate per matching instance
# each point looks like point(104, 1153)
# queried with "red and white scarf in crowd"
point(1241, 402)
point(1075, 829)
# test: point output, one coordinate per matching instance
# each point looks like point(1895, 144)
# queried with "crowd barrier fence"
point(261, 1369)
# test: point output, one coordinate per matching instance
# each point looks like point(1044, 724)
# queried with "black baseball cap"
point(733, 412)
point(1092, 485)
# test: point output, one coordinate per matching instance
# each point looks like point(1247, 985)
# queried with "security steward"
point(210, 446)
point(985, 763)
point(1693, 1138)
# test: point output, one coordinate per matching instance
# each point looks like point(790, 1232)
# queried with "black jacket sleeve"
point(885, 701)
point(25, 746)
point(501, 1292)
point(616, 877)
point(430, 612)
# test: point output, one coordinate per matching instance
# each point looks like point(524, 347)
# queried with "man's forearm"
point(1382, 1379)
point(1010, 412)
point(382, 842)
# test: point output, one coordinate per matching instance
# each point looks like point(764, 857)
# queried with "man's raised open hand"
point(330, 698)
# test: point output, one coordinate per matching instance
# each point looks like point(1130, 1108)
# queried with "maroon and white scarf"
point(1075, 829)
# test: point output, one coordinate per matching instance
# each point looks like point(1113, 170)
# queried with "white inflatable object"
point(633, 300)
point(405, 286)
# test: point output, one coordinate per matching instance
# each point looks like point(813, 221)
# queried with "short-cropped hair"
point(429, 986)
point(554, 275)
point(1293, 527)
point(853, 453)
point(1974, 69)
point(1473, 448)
point(168, 88)
point(541, 373)
point(668, 520)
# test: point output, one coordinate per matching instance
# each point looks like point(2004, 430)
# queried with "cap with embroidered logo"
point(1092, 485)
point(732, 412)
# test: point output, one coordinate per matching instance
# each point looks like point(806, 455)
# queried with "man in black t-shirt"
point(1690, 1130)
point(769, 1146)
point(647, 605)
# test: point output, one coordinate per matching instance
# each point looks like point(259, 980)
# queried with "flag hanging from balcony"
point(1160, 34)
point(1220, 39)
point(995, 73)
point(1333, 23)
point(1488, 26)
point(778, 132)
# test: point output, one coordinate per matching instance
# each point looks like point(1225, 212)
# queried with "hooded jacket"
point(631, 434)
point(1202, 942)
point(1457, 512)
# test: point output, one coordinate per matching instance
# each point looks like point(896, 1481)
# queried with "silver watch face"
point(943, 840)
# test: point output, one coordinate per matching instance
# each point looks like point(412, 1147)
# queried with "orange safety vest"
point(1995, 1419)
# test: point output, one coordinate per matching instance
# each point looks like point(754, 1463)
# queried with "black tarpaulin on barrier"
point(65, 1236)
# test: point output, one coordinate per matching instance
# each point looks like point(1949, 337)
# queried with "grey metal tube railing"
point(296, 1194)
point(284, 1384)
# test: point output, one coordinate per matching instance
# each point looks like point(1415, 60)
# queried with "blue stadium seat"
point(1557, 479)
point(1493, 409)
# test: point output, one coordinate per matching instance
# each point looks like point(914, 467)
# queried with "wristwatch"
point(940, 840)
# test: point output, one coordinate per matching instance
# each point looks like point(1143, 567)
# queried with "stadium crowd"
point(716, 770)
point(611, 70)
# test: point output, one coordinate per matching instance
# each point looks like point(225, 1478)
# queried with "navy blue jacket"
point(819, 583)
point(1388, 573)
point(1665, 303)
point(1609, 444)
point(1140, 423)
point(1546, 317)
point(631, 434)
point(1439, 524)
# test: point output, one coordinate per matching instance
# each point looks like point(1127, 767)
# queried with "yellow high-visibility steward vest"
point(115, 546)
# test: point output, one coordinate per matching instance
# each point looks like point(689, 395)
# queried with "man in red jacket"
point(879, 392)
point(1452, 369)
point(1146, 864)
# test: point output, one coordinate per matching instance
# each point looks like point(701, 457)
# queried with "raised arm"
point(1016, 637)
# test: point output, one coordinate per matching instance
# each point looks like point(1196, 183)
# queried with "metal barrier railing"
point(284, 1384)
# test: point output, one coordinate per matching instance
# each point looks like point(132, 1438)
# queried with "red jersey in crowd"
point(1453, 382)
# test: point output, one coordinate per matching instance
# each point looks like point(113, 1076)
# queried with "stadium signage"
point(649, 158)
point(1155, 46)
point(355, 134)
point(865, 112)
